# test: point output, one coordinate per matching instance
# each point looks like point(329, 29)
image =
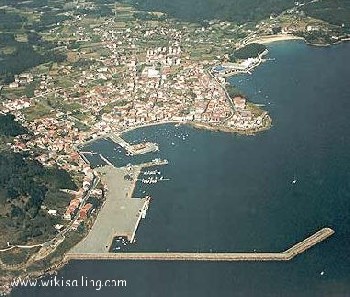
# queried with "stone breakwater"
point(287, 255)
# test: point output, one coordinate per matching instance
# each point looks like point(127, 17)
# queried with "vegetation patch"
point(26, 186)
point(332, 11)
point(10, 127)
point(195, 10)
point(252, 50)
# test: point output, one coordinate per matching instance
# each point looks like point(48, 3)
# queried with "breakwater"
point(287, 255)
point(135, 149)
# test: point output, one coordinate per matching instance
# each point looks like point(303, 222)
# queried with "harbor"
point(265, 210)
point(229, 69)
point(287, 255)
point(121, 213)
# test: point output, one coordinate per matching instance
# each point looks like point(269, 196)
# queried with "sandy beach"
point(274, 38)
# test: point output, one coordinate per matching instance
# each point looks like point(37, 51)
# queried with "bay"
point(235, 193)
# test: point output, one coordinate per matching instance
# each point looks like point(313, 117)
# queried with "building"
point(85, 211)
point(52, 212)
point(239, 103)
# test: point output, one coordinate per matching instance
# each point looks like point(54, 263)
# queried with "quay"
point(134, 149)
point(155, 162)
point(82, 155)
point(121, 214)
point(287, 255)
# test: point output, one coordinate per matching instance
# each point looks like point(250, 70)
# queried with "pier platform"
point(134, 149)
point(121, 214)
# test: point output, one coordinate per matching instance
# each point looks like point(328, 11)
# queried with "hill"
point(238, 11)
point(241, 11)
point(26, 187)
point(335, 12)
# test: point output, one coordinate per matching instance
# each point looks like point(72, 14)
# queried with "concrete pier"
point(134, 149)
point(105, 160)
point(287, 255)
point(121, 214)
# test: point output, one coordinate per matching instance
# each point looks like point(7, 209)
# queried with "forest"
point(9, 127)
point(336, 12)
point(251, 50)
point(24, 56)
point(239, 11)
point(242, 11)
point(26, 186)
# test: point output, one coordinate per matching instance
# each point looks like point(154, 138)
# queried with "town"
point(133, 76)
point(101, 70)
point(135, 69)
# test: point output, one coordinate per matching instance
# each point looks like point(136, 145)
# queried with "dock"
point(287, 255)
point(82, 155)
point(134, 149)
point(105, 160)
point(121, 214)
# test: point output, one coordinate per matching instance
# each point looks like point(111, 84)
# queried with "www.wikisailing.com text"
point(62, 282)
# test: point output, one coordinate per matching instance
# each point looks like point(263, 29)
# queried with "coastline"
point(205, 126)
point(267, 39)
point(226, 129)
point(58, 263)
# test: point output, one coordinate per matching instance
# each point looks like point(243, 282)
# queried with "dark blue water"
point(235, 193)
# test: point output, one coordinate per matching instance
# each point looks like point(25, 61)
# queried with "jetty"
point(134, 149)
point(121, 214)
point(105, 160)
point(287, 255)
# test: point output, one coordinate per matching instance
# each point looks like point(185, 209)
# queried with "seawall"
point(287, 255)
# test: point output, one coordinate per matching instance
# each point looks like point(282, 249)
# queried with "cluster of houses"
point(73, 209)
point(128, 87)
point(167, 56)
point(21, 80)
point(243, 118)
point(16, 104)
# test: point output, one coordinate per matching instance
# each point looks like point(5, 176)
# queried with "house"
point(71, 210)
point(239, 102)
point(76, 224)
point(59, 227)
point(85, 211)
point(13, 85)
point(67, 215)
point(52, 212)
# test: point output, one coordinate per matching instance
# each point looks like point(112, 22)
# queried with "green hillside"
point(232, 10)
point(333, 11)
